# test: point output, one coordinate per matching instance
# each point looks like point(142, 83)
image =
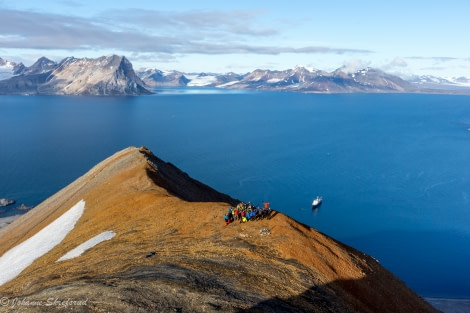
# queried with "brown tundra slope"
point(199, 265)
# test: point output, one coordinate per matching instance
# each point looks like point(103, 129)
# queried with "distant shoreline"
point(4, 221)
point(450, 305)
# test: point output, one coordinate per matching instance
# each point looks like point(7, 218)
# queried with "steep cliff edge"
point(198, 264)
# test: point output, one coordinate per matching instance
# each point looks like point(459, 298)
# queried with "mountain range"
point(299, 79)
point(307, 80)
point(434, 82)
point(114, 75)
point(137, 234)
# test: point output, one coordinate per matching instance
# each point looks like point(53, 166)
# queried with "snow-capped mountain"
point(41, 66)
point(302, 79)
point(299, 79)
point(267, 79)
point(157, 78)
point(447, 83)
point(107, 75)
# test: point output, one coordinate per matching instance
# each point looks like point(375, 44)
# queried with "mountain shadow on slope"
point(317, 299)
point(180, 184)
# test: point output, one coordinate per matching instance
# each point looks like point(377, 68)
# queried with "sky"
point(400, 37)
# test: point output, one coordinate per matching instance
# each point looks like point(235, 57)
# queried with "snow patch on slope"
point(107, 235)
point(228, 84)
point(18, 258)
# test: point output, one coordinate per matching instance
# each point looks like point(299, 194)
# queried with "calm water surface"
point(393, 169)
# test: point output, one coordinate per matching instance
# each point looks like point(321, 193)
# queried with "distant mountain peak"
point(41, 66)
point(44, 60)
point(300, 67)
point(106, 75)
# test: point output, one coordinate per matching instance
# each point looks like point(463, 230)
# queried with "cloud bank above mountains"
point(239, 36)
point(145, 31)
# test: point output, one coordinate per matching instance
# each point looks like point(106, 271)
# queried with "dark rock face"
point(180, 183)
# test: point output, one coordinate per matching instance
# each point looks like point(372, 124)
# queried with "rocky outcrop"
point(6, 202)
point(110, 75)
point(172, 252)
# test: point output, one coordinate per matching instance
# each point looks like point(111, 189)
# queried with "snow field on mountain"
point(107, 235)
point(200, 81)
point(18, 258)
point(6, 71)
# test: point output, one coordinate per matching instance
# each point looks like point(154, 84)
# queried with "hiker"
point(246, 212)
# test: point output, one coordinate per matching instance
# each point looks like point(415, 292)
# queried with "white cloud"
point(195, 32)
point(398, 62)
point(353, 65)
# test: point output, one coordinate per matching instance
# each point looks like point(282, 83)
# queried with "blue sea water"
point(392, 168)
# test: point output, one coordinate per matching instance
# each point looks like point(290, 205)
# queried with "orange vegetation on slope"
point(199, 263)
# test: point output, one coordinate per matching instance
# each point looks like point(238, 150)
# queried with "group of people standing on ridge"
point(246, 212)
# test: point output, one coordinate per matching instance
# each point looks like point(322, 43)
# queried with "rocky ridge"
point(173, 253)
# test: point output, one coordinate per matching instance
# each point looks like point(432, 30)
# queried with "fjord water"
point(392, 168)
